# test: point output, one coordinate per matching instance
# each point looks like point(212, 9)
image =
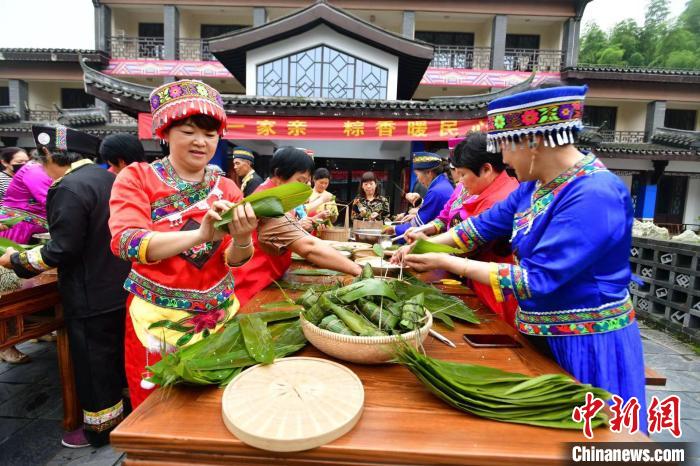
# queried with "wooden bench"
point(653, 377)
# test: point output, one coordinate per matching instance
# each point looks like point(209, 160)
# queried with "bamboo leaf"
point(277, 304)
point(378, 250)
point(12, 221)
point(423, 246)
point(273, 202)
point(257, 338)
point(8, 243)
point(364, 288)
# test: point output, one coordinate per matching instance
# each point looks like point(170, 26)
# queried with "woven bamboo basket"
point(337, 233)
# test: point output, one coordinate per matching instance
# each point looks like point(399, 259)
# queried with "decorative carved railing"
point(462, 57)
point(533, 60)
point(137, 47)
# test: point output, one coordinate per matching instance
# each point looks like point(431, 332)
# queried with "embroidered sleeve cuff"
point(31, 261)
point(133, 245)
point(466, 236)
point(439, 226)
point(509, 279)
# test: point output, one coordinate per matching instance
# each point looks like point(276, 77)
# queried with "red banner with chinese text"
point(246, 127)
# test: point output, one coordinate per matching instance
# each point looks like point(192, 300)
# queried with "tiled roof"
point(53, 55)
point(677, 138)
point(666, 144)
point(586, 73)
point(633, 69)
point(413, 56)
point(82, 117)
point(9, 113)
point(133, 98)
point(25, 127)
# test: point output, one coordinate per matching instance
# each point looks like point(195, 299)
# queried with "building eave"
point(94, 57)
point(133, 98)
point(414, 56)
point(611, 73)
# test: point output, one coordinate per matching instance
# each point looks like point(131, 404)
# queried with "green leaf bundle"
point(546, 401)
point(273, 202)
point(423, 246)
point(8, 243)
point(246, 340)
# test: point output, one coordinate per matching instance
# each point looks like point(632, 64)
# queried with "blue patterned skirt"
point(613, 361)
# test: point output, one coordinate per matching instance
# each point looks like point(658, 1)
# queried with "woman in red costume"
point(162, 219)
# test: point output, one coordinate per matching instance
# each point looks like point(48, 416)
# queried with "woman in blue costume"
point(570, 225)
point(429, 171)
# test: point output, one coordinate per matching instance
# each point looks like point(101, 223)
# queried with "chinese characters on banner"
point(245, 127)
point(661, 415)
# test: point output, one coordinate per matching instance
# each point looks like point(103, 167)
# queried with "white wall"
point(624, 164)
point(321, 35)
point(44, 95)
point(692, 202)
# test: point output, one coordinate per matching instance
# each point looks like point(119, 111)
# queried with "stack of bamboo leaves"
point(246, 340)
point(547, 400)
point(374, 307)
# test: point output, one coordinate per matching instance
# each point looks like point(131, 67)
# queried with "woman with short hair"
point(369, 203)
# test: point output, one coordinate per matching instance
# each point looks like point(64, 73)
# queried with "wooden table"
point(402, 422)
point(20, 322)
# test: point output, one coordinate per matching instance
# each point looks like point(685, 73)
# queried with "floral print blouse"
point(363, 208)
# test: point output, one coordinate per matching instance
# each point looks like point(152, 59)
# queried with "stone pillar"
point(656, 114)
point(103, 27)
point(19, 97)
point(171, 30)
point(570, 41)
point(498, 42)
point(408, 26)
point(259, 16)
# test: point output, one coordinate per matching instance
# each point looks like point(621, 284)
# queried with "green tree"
point(654, 29)
point(658, 43)
point(594, 41)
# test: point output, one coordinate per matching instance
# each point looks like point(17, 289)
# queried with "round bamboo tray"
point(363, 350)
point(294, 404)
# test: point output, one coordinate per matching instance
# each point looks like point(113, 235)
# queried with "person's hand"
point(5, 258)
point(374, 215)
point(412, 198)
point(412, 235)
point(407, 218)
point(243, 224)
point(321, 216)
point(326, 196)
point(399, 217)
point(400, 254)
point(307, 224)
point(207, 231)
point(426, 262)
point(3, 227)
